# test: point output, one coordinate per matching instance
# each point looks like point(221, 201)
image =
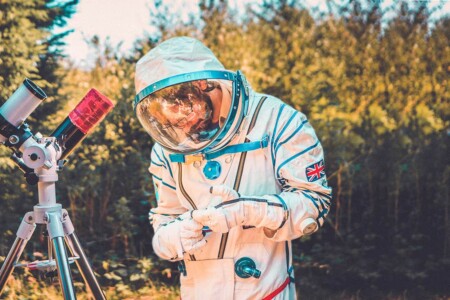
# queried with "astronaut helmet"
point(186, 100)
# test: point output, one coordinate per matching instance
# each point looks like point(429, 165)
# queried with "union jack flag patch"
point(315, 171)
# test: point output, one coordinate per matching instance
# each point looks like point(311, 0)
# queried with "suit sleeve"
point(299, 167)
point(165, 217)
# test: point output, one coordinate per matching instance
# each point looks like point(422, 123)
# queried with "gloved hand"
point(182, 235)
point(234, 210)
point(191, 235)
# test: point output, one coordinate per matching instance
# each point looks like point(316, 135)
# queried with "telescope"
point(40, 158)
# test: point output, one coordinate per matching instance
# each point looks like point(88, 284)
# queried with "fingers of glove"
point(202, 216)
point(214, 218)
point(191, 230)
point(185, 216)
point(225, 192)
point(191, 225)
point(221, 224)
point(187, 244)
point(193, 244)
point(187, 234)
point(196, 246)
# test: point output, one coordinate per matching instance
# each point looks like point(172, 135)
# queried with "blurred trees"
point(374, 82)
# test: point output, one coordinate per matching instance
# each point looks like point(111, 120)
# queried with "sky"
point(121, 21)
point(124, 21)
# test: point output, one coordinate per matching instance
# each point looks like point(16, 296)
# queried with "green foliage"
point(20, 43)
point(125, 279)
point(27, 47)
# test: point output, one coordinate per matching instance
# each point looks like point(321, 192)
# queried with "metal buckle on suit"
point(189, 159)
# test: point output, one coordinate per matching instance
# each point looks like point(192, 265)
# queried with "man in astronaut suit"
point(237, 175)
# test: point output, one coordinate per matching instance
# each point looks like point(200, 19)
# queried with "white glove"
point(241, 211)
point(174, 239)
point(191, 235)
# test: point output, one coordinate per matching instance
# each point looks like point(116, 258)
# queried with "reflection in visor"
point(184, 106)
point(182, 115)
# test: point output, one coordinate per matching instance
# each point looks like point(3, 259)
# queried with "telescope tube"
point(81, 120)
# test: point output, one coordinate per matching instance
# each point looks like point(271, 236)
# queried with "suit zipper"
point(185, 194)
point(237, 182)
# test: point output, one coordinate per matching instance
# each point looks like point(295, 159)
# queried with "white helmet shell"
point(178, 55)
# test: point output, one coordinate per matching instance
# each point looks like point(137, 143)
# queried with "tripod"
point(41, 157)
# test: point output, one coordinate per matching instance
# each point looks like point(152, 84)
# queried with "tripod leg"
point(24, 233)
point(82, 263)
point(55, 230)
point(85, 268)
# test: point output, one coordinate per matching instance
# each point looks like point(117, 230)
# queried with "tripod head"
point(35, 155)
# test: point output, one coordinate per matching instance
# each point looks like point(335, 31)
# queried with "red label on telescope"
point(90, 111)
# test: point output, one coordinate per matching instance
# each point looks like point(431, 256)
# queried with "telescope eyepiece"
point(18, 107)
point(34, 89)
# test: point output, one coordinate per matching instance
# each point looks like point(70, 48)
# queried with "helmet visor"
point(187, 116)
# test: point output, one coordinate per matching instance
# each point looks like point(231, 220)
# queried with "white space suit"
point(262, 188)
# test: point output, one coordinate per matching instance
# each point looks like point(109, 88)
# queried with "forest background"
point(376, 90)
